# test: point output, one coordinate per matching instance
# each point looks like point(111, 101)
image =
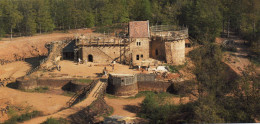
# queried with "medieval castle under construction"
point(142, 45)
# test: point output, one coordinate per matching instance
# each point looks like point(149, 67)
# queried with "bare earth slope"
point(26, 47)
point(47, 103)
point(65, 113)
point(14, 70)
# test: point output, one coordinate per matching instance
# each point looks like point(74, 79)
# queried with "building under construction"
point(142, 45)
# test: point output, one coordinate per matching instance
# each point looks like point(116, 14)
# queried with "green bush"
point(38, 90)
point(24, 117)
point(84, 80)
point(158, 113)
point(28, 116)
point(68, 93)
point(55, 121)
point(176, 69)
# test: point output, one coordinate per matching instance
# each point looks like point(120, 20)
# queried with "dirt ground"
point(69, 111)
point(14, 69)
point(73, 69)
point(237, 60)
point(46, 103)
point(124, 107)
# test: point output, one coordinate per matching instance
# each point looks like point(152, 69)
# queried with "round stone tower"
point(122, 84)
point(175, 52)
point(174, 40)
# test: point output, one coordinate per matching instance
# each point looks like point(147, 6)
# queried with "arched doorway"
point(90, 58)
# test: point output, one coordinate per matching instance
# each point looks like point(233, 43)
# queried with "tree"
point(44, 20)
point(1, 24)
point(203, 19)
point(247, 92)
point(11, 16)
point(89, 19)
point(207, 111)
point(28, 24)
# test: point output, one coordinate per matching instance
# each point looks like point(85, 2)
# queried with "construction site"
point(90, 66)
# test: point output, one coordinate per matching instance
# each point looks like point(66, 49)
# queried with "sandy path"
point(14, 70)
point(124, 107)
point(47, 103)
point(65, 113)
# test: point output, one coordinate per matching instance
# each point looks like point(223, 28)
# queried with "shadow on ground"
point(132, 108)
point(34, 61)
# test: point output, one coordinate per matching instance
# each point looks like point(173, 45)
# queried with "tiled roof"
point(139, 29)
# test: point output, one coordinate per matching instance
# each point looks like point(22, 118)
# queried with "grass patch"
point(56, 121)
point(38, 90)
point(144, 94)
point(86, 81)
point(110, 96)
point(23, 117)
point(68, 93)
point(140, 94)
point(175, 68)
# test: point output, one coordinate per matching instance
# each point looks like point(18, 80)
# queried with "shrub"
point(84, 80)
point(38, 90)
point(55, 121)
point(24, 117)
point(174, 68)
point(68, 93)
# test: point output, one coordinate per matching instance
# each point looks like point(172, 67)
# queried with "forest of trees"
point(221, 98)
point(205, 19)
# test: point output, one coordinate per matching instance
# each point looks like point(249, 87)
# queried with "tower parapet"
point(173, 38)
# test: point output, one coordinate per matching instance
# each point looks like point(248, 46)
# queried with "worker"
point(113, 67)
point(59, 68)
point(1, 83)
point(86, 61)
point(79, 61)
point(105, 71)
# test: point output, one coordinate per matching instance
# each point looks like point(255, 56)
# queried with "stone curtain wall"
point(155, 86)
point(145, 77)
point(101, 54)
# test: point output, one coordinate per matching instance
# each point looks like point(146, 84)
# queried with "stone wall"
point(127, 90)
point(141, 49)
point(101, 54)
point(74, 86)
point(175, 52)
point(157, 49)
point(155, 86)
point(31, 83)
